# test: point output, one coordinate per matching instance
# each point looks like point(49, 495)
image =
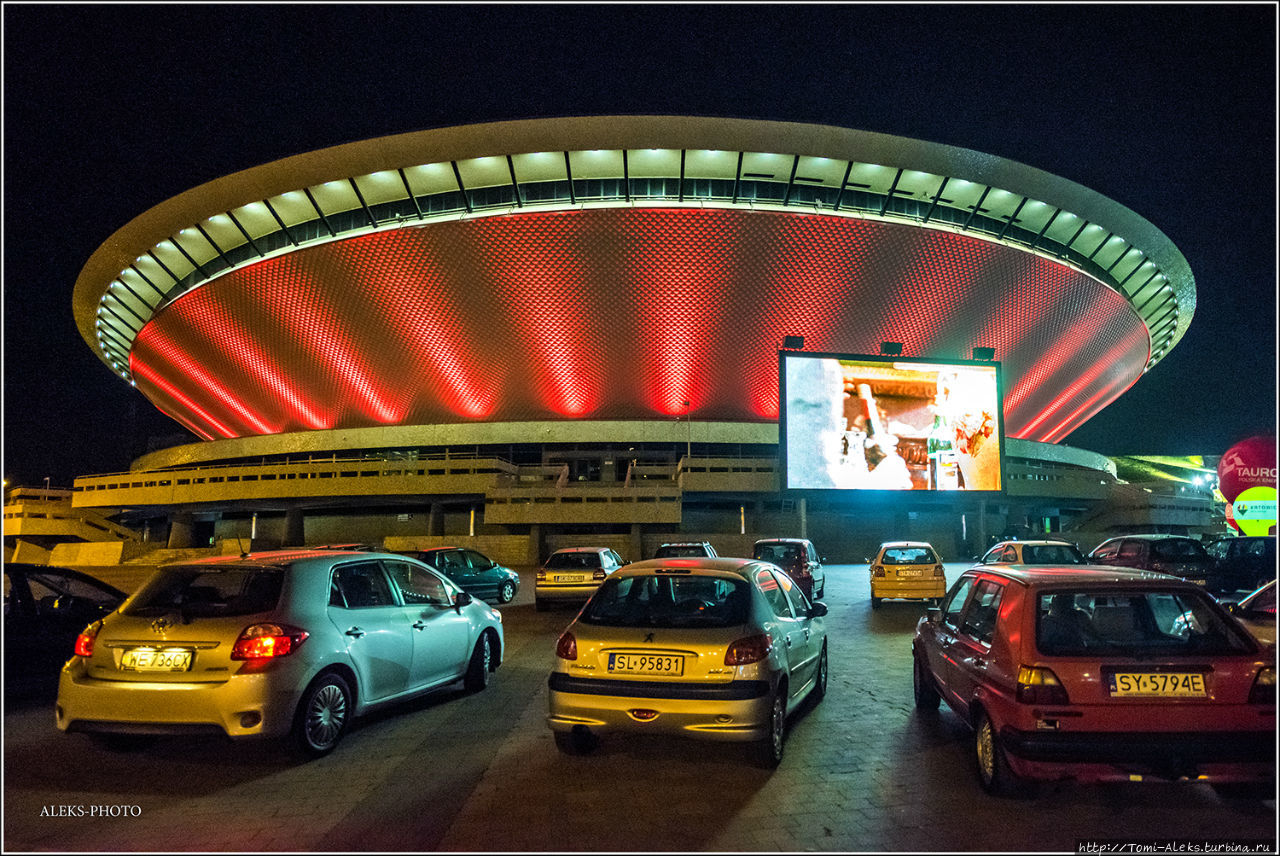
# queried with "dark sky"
point(109, 110)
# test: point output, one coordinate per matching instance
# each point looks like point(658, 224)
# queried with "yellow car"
point(906, 569)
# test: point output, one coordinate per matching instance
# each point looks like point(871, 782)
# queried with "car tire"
point(507, 592)
point(478, 667)
point(579, 741)
point(122, 742)
point(875, 602)
point(767, 753)
point(323, 714)
point(994, 773)
point(819, 691)
point(923, 687)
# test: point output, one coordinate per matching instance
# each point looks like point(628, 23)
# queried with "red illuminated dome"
point(620, 268)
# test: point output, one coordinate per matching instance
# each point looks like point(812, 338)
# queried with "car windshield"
point(669, 551)
point(908, 556)
point(1134, 624)
point(561, 561)
point(1052, 554)
point(661, 600)
point(203, 592)
point(779, 554)
point(1179, 549)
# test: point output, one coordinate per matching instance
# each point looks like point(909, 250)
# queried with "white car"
point(571, 575)
point(272, 644)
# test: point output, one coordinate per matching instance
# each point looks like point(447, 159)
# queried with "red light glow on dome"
point(620, 313)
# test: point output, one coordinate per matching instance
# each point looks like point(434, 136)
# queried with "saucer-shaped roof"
point(617, 268)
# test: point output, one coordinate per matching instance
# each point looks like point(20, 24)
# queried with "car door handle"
point(978, 662)
point(419, 625)
point(356, 632)
point(788, 640)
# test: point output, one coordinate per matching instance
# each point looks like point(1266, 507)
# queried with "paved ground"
point(863, 772)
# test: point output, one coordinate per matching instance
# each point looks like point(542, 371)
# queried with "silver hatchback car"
point(712, 648)
point(274, 644)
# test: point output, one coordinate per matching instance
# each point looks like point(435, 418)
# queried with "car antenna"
point(244, 553)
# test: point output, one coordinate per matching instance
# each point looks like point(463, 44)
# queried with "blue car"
point(475, 573)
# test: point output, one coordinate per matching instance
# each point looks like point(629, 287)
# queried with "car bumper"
point(735, 711)
point(1221, 756)
point(910, 589)
point(565, 591)
point(246, 705)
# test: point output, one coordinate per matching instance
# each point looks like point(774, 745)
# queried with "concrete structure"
point(567, 329)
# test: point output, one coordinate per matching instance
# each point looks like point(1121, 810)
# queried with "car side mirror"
point(461, 599)
point(822, 559)
point(933, 615)
point(817, 610)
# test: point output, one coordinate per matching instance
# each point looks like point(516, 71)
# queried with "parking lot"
point(863, 772)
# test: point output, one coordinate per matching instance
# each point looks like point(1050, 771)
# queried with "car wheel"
point(579, 741)
point(477, 677)
point(323, 715)
point(122, 742)
point(768, 752)
point(875, 602)
point(507, 592)
point(993, 767)
point(926, 693)
point(819, 691)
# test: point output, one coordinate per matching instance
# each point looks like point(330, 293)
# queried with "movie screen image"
point(851, 422)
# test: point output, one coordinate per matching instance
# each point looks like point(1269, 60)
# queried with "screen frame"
point(784, 476)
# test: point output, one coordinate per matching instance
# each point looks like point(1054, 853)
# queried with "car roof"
point(1106, 575)
point(783, 541)
point(1152, 536)
point(283, 558)
point(722, 564)
point(581, 550)
point(1038, 542)
point(888, 544)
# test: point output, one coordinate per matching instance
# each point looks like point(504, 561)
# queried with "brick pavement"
point(458, 772)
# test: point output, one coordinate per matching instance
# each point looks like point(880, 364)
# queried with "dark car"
point(1177, 555)
point(799, 558)
point(477, 574)
point(45, 608)
point(1246, 562)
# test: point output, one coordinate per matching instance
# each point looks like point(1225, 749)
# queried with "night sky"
point(109, 110)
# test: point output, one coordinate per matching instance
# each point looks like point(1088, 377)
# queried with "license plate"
point(910, 572)
point(156, 660)
point(1157, 685)
point(570, 578)
point(646, 664)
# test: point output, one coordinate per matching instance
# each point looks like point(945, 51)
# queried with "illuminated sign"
point(1254, 511)
point(855, 422)
point(1249, 463)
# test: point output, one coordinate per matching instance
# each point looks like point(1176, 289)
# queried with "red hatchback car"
point(1099, 674)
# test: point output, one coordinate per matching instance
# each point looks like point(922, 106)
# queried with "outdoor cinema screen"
point(854, 422)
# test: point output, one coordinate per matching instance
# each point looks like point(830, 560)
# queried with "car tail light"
point(84, 642)
point(567, 646)
point(1264, 687)
point(542, 576)
point(598, 575)
point(1037, 685)
point(749, 649)
point(937, 570)
point(877, 570)
point(265, 641)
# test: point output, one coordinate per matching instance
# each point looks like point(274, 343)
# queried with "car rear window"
point(669, 551)
point(908, 556)
point(1051, 554)
point(779, 554)
point(660, 600)
point(1178, 549)
point(203, 592)
point(560, 561)
point(1134, 624)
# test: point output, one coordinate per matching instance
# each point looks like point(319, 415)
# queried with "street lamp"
point(46, 482)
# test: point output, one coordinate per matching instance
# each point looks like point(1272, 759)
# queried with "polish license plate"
point(646, 664)
point(1157, 685)
point(910, 572)
point(156, 660)
point(570, 578)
